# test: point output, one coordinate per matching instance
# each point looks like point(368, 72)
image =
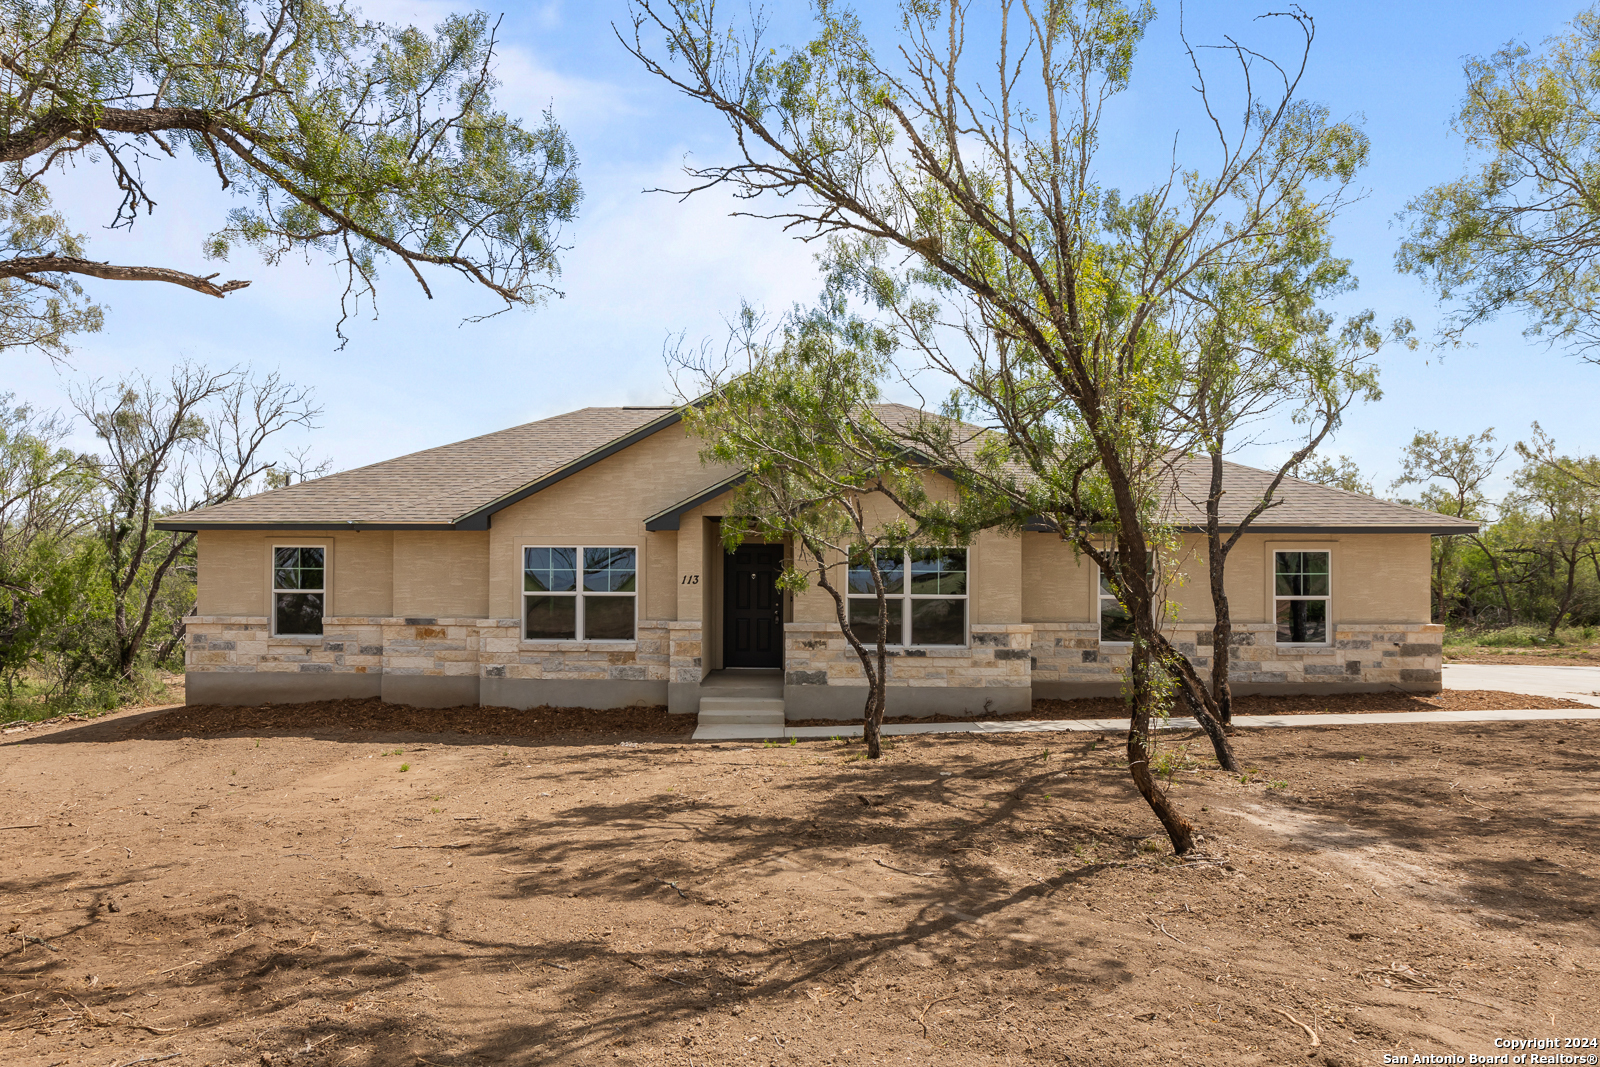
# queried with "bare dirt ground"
point(326, 896)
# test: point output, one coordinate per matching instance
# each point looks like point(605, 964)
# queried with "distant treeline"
point(1536, 558)
point(92, 596)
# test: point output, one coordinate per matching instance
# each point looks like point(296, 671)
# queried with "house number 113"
point(691, 579)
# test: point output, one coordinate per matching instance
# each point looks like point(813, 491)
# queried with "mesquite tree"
point(820, 472)
point(967, 207)
point(340, 137)
point(1254, 344)
point(1517, 232)
point(1463, 465)
point(196, 440)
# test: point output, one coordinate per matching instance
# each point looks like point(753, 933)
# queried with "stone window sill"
point(580, 646)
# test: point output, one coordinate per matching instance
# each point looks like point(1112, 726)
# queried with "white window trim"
point(579, 593)
point(273, 590)
point(908, 595)
point(1273, 548)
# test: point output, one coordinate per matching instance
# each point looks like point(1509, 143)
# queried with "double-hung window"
point(1300, 587)
point(1116, 625)
point(579, 594)
point(298, 577)
point(926, 592)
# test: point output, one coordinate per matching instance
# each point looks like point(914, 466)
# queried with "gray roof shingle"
point(437, 486)
point(460, 484)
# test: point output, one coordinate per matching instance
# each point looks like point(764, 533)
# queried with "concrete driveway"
point(1574, 683)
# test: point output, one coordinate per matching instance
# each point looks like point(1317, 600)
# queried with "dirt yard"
point(330, 895)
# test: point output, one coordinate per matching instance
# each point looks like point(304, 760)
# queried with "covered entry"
point(752, 610)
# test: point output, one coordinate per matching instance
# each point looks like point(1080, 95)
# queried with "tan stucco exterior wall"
point(363, 573)
point(441, 573)
point(1055, 582)
point(994, 565)
point(1376, 577)
point(231, 575)
point(605, 504)
point(235, 569)
point(661, 568)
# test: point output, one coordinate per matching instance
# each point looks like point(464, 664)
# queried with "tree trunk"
point(872, 714)
point(1567, 593)
point(878, 690)
point(1179, 830)
point(1499, 579)
point(1194, 692)
point(1217, 572)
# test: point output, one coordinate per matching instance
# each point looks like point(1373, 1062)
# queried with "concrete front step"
point(741, 718)
point(741, 704)
point(741, 711)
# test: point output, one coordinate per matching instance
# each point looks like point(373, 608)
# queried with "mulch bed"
point(1311, 704)
point(541, 723)
point(653, 723)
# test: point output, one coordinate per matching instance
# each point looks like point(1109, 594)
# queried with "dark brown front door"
point(752, 612)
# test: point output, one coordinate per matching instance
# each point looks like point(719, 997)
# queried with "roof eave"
point(356, 525)
point(670, 518)
point(1343, 528)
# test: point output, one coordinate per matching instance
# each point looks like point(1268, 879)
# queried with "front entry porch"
point(742, 702)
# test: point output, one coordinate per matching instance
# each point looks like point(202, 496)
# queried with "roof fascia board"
point(1037, 526)
point(670, 518)
point(478, 518)
point(329, 525)
point(1335, 528)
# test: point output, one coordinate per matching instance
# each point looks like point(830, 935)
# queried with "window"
point(556, 606)
point(1116, 625)
point(926, 593)
point(298, 575)
point(1300, 592)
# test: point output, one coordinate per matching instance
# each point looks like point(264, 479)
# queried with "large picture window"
point(579, 594)
point(298, 591)
point(926, 589)
point(1300, 587)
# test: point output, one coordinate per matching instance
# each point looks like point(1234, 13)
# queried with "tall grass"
point(33, 699)
point(1521, 637)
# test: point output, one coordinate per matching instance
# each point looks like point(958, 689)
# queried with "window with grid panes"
point(1301, 593)
point(298, 574)
point(926, 595)
point(579, 593)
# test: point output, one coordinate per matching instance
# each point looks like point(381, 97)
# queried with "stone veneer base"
point(599, 694)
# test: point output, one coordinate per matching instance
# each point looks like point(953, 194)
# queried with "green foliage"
point(340, 137)
point(1523, 636)
point(1340, 473)
point(1536, 558)
point(1515, 233)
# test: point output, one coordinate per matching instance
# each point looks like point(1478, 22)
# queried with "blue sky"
point(644, 267)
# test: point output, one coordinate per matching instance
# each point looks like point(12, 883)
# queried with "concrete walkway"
point(818, 733)
point(1574, 683)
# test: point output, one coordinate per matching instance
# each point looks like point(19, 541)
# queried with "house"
point(577, 561)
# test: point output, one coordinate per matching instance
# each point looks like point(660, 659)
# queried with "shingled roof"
point(1304, 507)
point(456, 486)
point(459, 486)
